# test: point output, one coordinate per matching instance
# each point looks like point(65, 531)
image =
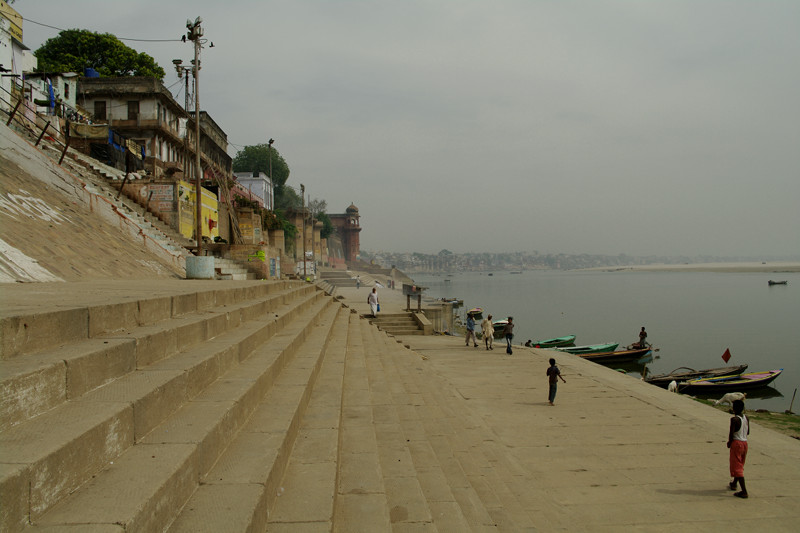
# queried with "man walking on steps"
point(553, 373)
point(488, 332)
point(508, 333)
point(471, 330)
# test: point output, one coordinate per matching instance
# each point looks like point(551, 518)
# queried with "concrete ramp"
point(56, 225)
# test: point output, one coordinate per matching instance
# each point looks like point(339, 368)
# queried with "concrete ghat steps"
point(238, 491)
point(51, 455)
point(485, 485)
point(452, 503)
point(397, 323)
point(405, 496)
point(26, 332)
point(36, 383)
point(305, 499)
point(143, 487)
point(360, 503)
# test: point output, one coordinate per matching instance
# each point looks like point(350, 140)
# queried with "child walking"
point(553, 373)
point(737, 442)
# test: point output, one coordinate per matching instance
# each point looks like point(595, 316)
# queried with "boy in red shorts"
point(737, 442)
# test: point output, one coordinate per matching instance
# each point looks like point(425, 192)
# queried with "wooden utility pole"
point(303, 200)
point(195, 33)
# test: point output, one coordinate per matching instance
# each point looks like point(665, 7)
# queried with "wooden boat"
point(685, 374)
point(566, 340)
point(590, 348)
point(783, 282)
point(499, 326)
point(616, 357)
point(738, 383)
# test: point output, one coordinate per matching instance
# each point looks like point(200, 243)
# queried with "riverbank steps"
point(182, 405)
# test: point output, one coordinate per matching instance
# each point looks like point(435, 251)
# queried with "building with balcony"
point(143, 109)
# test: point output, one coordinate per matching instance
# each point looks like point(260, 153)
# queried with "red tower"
point(348, 226)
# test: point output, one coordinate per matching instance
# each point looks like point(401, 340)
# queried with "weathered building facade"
point(348, 227)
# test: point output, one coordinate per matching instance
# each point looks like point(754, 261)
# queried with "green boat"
point(590, 349)
point(567, 340)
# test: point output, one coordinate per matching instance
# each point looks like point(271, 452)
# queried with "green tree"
point(317, 208)
point(257, 158)
point(327, 225)
point(74, 50)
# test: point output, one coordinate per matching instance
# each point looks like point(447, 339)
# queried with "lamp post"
point(269, 152)
point(183, 72)
point(303, 200)
point(195, 34)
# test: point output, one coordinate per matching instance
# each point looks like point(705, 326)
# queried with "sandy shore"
point(776, 267)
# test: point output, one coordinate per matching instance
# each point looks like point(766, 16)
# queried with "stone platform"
point(271, 406)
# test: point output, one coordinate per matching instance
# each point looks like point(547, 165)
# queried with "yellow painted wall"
point(186, 211)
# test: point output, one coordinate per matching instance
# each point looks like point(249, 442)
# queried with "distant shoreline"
point(776, 267)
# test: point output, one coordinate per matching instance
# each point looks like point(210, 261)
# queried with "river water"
point(691, 317)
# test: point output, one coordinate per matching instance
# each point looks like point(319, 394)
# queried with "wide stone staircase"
point(397, 323)
point(263, 407)
point(338, 278)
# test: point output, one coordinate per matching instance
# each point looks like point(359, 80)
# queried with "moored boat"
point(499, 326)
point(782, 282)
point(741, 382)
point(616, 357)
point(556, 342)
point(590, 348)
point(685, 374)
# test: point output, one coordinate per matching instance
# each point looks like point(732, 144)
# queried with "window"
point(133, 110)
point(66, 91)
point(100, 110)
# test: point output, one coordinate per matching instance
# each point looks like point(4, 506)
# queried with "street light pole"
point(194, 34)
point(303, 200)
point(183, 72)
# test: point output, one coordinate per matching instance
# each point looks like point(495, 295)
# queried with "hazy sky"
point(639, 127)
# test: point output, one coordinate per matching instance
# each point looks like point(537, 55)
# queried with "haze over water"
point(692, 317)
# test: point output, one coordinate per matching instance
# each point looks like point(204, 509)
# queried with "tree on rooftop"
point(75, 50)
point(256, 158)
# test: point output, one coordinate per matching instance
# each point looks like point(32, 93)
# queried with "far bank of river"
point(776, 267)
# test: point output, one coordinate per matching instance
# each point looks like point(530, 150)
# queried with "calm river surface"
point(692, 317)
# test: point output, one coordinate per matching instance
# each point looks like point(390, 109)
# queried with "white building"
point(15, 57)
point(258, 185)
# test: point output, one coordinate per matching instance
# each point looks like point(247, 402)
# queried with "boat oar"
point(789, 411)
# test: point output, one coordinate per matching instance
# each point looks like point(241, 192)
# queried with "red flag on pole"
point(727, 355)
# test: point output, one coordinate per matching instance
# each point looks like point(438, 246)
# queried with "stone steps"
point(360, 503)
point(238, 491)
point(397, 323)
point(408, 506)
point(305, 499)
point(49, 456)
point(230, 269)
point(38, 382)
point(164, 468)
point(488, 489)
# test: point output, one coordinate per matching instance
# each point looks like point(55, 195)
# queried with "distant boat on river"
point(783, 282)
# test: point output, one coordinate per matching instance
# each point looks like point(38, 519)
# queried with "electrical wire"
point(120, 38)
